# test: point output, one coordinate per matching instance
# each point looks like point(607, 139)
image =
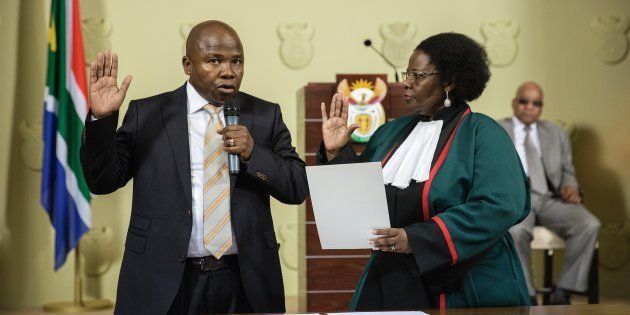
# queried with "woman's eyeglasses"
point(524, 101)
point(417, 75)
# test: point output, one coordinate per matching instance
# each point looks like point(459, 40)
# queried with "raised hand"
point(105, 95)
point(335, 129)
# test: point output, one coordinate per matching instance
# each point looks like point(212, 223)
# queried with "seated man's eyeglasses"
point(524, 101)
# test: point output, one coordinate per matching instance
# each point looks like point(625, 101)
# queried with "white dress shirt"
point(519, 140)
point(412, 159)
point(197, 122)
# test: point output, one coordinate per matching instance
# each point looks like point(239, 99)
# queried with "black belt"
point(211, 263)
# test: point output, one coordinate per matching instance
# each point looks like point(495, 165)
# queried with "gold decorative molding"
point(96, 32)
point(398, 41)
point(296, 49)
point(32, 145)
point(500, 41)
point(611, 32)
point(97, 251)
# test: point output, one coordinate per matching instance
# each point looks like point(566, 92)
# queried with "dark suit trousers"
point(211, 292)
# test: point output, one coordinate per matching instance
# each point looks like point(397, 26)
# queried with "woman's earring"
point(447, 102)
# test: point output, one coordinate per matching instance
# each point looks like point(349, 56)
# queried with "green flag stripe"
point(69, 124)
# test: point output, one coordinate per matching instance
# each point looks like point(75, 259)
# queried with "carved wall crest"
point(96, 249)
point(500, 41)
point(398, 41)
point(296, 49)
point(613, 41)
point(32, 146)
point(614, 240)
point(96, 32)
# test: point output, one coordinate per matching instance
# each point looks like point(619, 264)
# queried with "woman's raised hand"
point(335, 129)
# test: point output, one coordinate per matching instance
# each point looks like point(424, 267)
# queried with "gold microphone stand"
point(78, 305)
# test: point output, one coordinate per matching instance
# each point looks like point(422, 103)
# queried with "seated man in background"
point(545, 152)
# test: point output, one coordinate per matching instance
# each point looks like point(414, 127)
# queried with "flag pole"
point(78, 294)
point(78, 304)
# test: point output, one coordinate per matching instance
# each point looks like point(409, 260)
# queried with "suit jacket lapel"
point(509, 124)
point(545, 146)
point(246, 117)
point(175, 117)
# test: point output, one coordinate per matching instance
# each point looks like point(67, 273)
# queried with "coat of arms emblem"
point(365, 106)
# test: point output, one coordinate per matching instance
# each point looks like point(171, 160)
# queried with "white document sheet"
point(348, 202)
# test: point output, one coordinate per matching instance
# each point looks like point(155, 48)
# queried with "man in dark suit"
point(200, 240)
point(545, 153)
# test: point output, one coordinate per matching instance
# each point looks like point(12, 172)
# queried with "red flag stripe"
point(78, 57)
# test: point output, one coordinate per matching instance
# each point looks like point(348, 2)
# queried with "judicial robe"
point(456, 221)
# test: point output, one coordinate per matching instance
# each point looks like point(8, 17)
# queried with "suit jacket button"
point(189, 212)
point(181, 259)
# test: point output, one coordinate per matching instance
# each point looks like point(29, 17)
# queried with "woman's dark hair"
point(459, 60)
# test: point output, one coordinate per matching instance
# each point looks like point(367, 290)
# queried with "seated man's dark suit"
point(152, 147)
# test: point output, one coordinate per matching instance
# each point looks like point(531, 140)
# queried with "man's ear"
point(186, 64)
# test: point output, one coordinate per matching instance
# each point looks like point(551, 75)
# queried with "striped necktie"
point(217, 224)
point(535, 168)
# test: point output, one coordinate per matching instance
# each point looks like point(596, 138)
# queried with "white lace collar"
point(412, 160)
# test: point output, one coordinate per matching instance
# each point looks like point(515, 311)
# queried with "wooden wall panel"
point(310, 218)
point(315, 94)
point(313, 136)
point(332, 275)
point(325, 302)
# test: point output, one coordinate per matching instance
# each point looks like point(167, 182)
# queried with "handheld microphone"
point(368, 43)
point(232, 112)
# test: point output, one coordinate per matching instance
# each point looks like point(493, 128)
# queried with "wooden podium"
point(332, 275)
